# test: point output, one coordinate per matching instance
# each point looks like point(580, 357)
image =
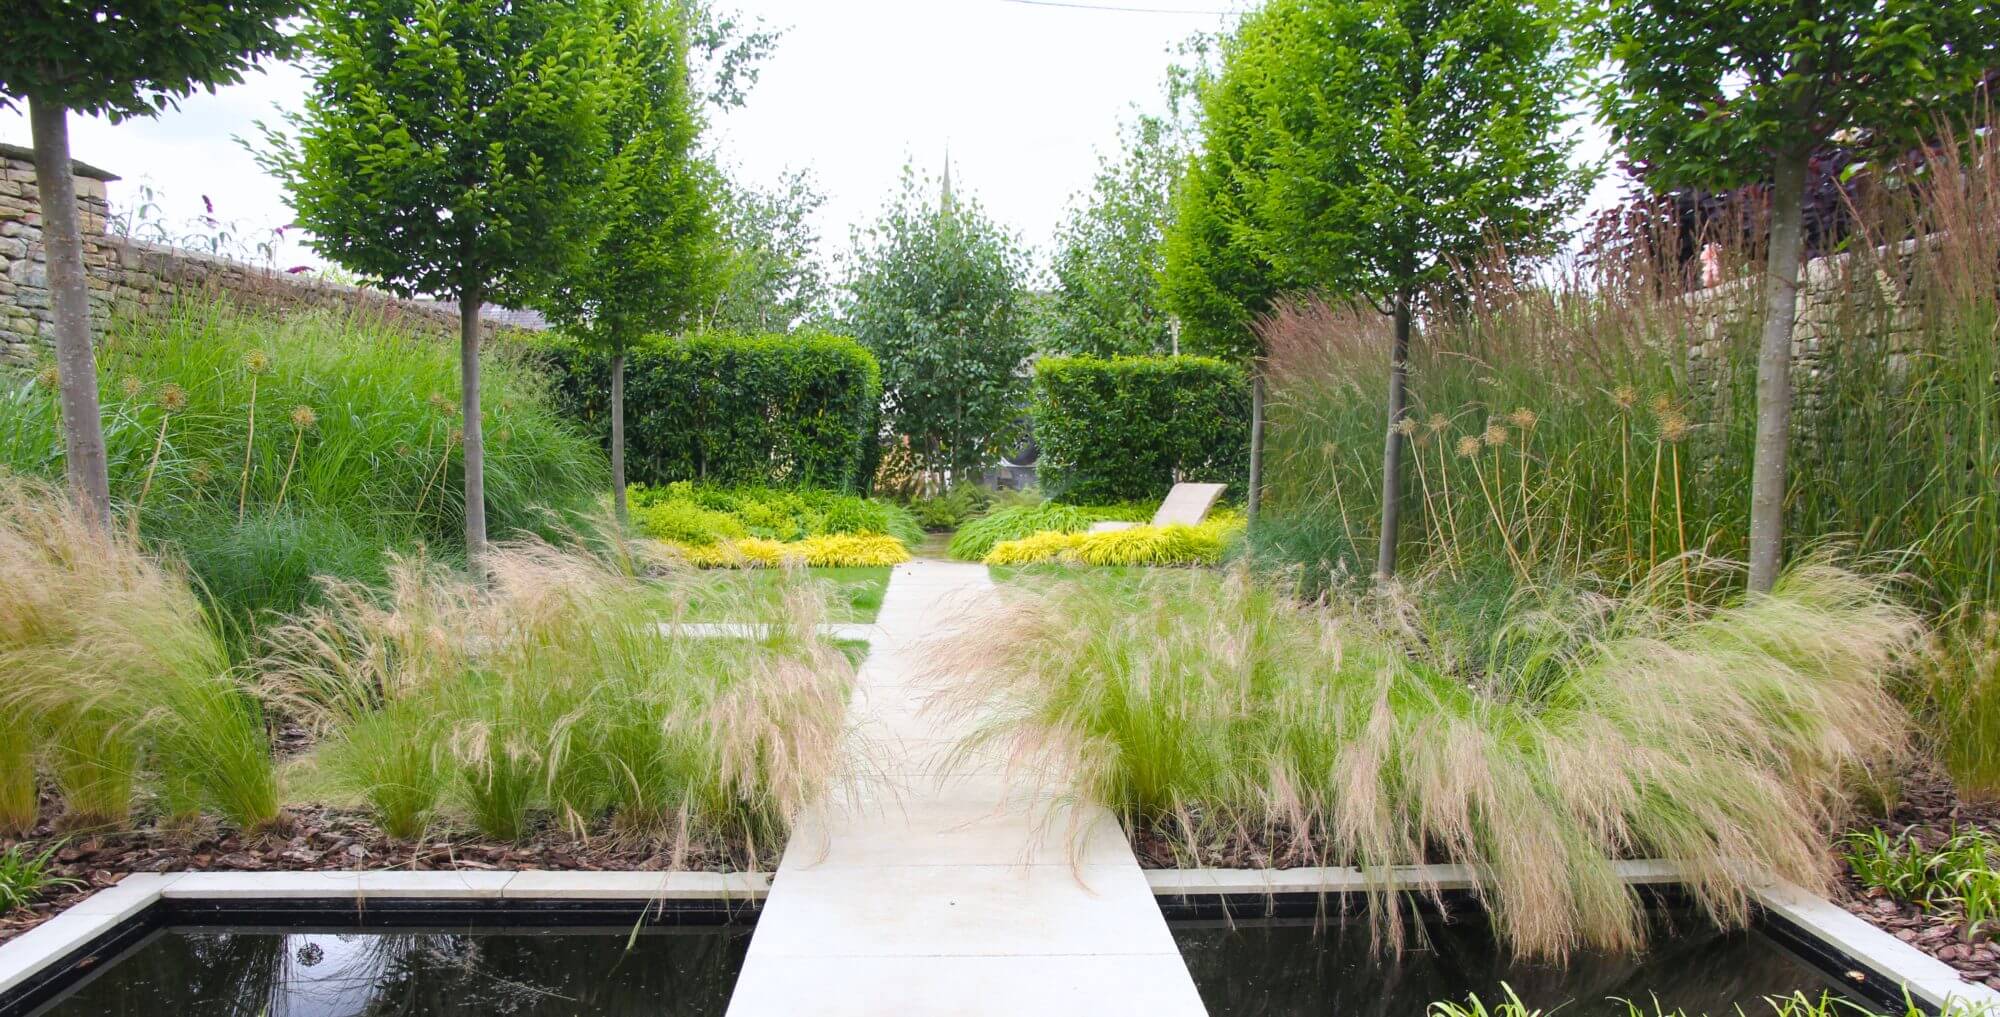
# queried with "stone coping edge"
point(1928, 979)
point(103, 911)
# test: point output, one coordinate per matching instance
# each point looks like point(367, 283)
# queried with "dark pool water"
point(1274, 967)
point(242, 972)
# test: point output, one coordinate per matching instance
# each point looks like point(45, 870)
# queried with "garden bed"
point(1929, 810)
point(325, 839)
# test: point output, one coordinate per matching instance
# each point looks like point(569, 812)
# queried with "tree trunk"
point(69, 290)
point(475, 442)
point(1254, 498)
point(618, 433)
point(1774, 373)
point(1392, 442)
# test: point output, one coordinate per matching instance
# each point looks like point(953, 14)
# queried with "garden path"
point(940, 888)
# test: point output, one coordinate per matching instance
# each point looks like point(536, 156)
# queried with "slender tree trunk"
point(475, 442)
point(1392, 442)
point(1253, 499)
point(69, 289)
point(1774, 372)
point(618, 432)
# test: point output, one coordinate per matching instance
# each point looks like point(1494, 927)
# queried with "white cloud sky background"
point(1024, 95)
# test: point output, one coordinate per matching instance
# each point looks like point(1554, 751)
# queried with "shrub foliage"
point(780, 410)
point(1128, 428)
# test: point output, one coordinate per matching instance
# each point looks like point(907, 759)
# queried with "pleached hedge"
point(1128, 428)
point(796, 410)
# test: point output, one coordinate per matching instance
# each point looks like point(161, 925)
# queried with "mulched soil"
point(322, 839)
point(1929, 809)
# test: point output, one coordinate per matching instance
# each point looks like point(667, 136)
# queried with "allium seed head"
point(1662, 404)
point(304, 418)
point(1407, 426)
point(1437, 423)
point(1495, 435)
point(257, 362)
point(172, 398)
point(1625, 396)
point(1468, 446)
point(1673, 426)
point(132, 386)
point(48, 377)
point(1524, 418)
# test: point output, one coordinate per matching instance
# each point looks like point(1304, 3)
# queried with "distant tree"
point(454, 147)
point(1730, 92)
point(118, 58)
point(935, 293)
point(657, 260)
point(772, 277)
point(1110, 253)
point(1361, 148)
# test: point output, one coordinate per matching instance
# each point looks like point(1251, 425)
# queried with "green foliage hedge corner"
point(795, 410)
point(1127, 428)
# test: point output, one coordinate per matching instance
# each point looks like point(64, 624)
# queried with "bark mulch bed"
point(325, 839)
point(1928, 810)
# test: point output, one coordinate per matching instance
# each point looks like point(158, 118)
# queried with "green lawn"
point(1109, 573)
point(856, 595)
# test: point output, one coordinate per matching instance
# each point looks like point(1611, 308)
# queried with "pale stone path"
point(943, 893)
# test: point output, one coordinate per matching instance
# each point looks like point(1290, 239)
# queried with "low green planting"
point(1582, 728)
point(976, 539)
point(852, 594)
point(557, 698)
point(115, 679)
point(1798, 1004)
point(267, 451)
point(703, 514)
point(25, 877)
point(952, 509)
point(1151, 546)
point(1960, 876)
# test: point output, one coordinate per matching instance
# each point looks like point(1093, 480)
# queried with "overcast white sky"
point(1023, 94)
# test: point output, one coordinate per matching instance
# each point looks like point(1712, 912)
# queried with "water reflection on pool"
point(251, 972)
point(1286, 966)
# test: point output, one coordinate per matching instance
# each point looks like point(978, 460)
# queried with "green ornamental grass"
point(1582, 729)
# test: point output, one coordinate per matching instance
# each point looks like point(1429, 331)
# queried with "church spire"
point(946, 203)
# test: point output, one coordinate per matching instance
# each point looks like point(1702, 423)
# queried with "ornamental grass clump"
point(561, 696)
point(976, 539)
point(1581, 729)
point(114, 675)
point(1161, 546)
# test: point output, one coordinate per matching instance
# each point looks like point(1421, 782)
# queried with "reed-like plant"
point(371, 468)
point(567, 692)
point(1583, 728)
point(1641, 394)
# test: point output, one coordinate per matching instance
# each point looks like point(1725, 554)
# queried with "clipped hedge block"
point(795, 410)
point(1129, 428)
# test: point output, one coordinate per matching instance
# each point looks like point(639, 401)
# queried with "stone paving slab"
point(946, 885)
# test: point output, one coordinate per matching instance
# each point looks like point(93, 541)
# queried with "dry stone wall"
point(131, 276)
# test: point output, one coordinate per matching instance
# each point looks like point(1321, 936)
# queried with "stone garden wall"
point(131, 276)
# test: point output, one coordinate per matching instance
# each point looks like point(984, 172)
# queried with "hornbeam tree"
point(1730, 92)
point(117, 59)
point(454, 147)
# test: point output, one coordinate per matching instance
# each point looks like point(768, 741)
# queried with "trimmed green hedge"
point(795, 410)
point(1127, 428)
